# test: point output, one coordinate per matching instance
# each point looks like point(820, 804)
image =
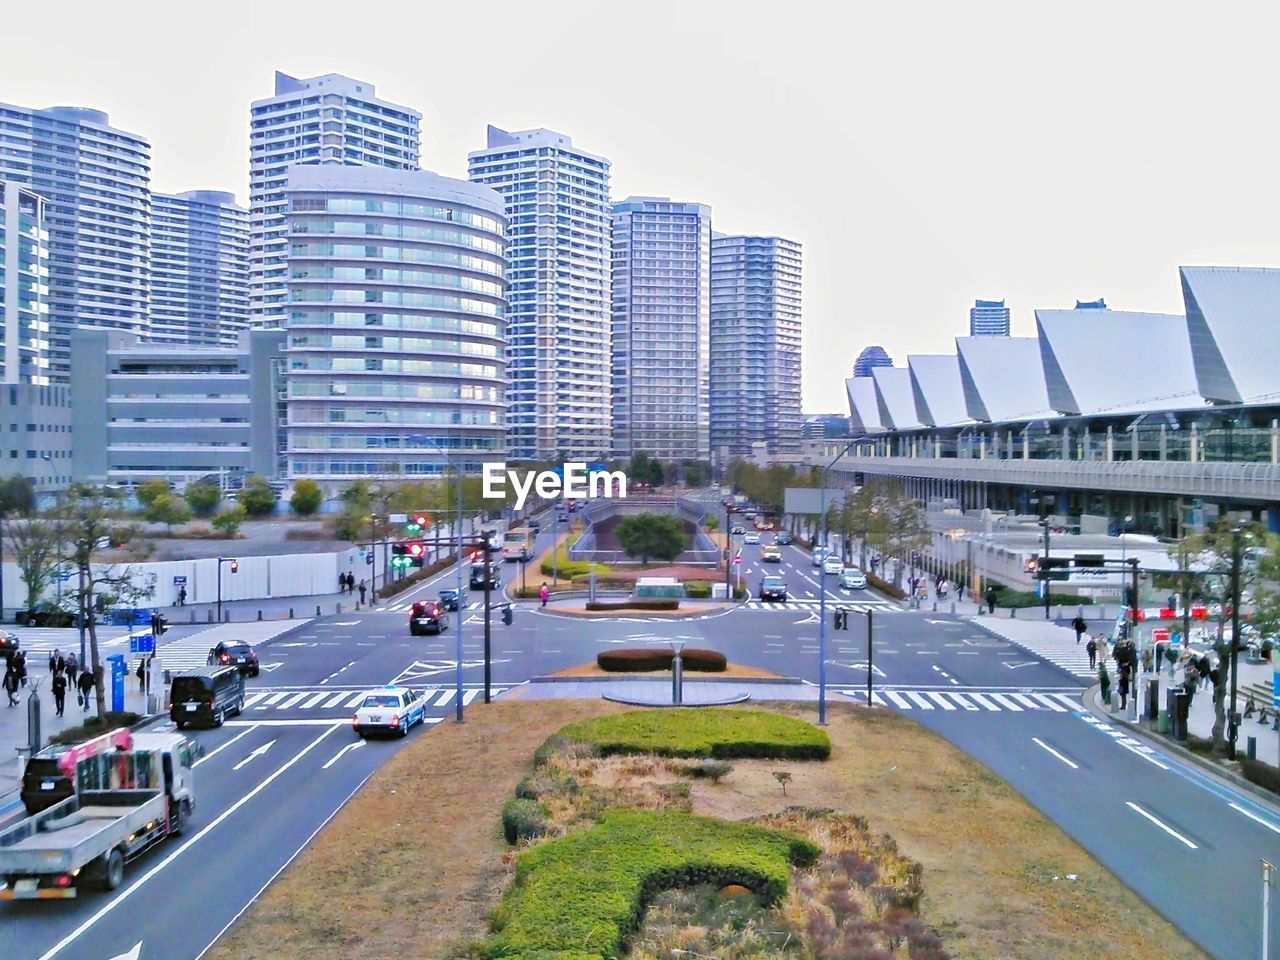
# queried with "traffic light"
point(417, 552)
point(507, 616)
point(399, 556)
point(1053, 568)
point(158, 625)
point(842, 619)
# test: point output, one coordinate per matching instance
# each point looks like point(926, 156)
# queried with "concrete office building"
point(988, 318)
point(199, 268)
point(755, 345)
point(396, 299)
point(662, 328)
point(24, 286)
point(96, 182)
point(182, 412)
point(825, 426)
point(326, 119)
point(558, 314)
point(869, 359)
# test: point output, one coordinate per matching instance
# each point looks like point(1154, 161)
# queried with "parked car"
point(751, 537)
point(773, 589)
point(782, 539)
point(234, 653)
point(851, 578)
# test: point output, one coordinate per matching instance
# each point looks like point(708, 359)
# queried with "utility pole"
point(728, 546)
point(1233, 718)
point(484, 544)
point(457, 639)
point(869, 663)
point(1045, 523)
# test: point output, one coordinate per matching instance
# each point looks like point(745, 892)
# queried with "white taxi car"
point(832, 565)
point(389, 709)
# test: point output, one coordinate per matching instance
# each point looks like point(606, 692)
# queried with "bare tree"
point(89, 528)
point(35, 543)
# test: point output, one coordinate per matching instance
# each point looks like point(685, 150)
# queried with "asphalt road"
point(272, 778)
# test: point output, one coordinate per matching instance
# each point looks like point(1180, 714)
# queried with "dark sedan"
point(235, 653)
point(8, 644)
point(426, 616)
point(449, 598)
point(782, 539)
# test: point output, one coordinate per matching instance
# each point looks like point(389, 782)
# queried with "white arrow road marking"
point(347, 749)
point(1163, 826)
point(216, 750)
point(269, 666)
point(133, 954)
point(1044, 746)
point(345, 623)
point(1015, 666)
point(257, 752)
point(858, 665)
point(811, 618)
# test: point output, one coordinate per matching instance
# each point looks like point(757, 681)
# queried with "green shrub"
point(713, 770)
point(1263, 774)
point(656, 658)
point(587, 891)
point(698, 589)
point(1021, 599)
point(702, 732)
point(523, 819)
point(885, 587)
point(95, 726)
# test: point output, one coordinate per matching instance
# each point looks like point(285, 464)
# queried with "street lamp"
point(235, 567)
point(1044, 522)
point(1238, 533)
point(822, 584)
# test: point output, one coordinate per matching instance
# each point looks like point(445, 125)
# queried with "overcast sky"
point(924, 154)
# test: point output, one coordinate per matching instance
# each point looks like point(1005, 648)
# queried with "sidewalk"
point(273, 608)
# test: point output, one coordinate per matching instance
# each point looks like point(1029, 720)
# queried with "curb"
point(622, 677)
point(1210, 768)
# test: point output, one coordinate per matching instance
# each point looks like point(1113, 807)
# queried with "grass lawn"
point(994, 871)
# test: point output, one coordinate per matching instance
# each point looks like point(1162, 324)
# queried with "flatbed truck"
point(93, 807)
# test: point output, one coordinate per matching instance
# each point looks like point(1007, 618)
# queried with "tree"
point(648, 535)
point(307, 497)
point(895, 524)
point(168, 509)
point(17, 495)
point(88, 523)
point(148, 491)
point(656, 474)
point(228, 521)
point(697, 473)
point(35, 545)
point(638, 469)
point(257, 497)
point(203, 498)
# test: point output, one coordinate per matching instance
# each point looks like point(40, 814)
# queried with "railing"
point(28, 827)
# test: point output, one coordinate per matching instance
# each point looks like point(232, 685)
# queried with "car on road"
point(234, 653)
point(389, 709)
point(851, 578)
point(477, 577)
point(782, 539)
point(820, 554)
point(449, 598)
point(751, 537)
point(206, 695)
point(9, 644)
point(737, 530)
point(773, 589)
point(771, 554)
point(426, 617)
point(832, 565)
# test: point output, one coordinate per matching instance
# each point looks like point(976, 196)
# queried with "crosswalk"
point(39, 642)
point(193, 650)
point(974, 701)
point(263, 701)
point(858, 606)
point(406, 604)
point(1056, 644)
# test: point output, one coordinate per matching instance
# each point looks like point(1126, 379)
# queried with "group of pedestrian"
point(66, 672)
point(15, 676)
point(347, 584)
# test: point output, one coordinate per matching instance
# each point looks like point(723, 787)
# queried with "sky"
point(925, 154)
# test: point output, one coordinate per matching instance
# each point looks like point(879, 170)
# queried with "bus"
point(517, 543)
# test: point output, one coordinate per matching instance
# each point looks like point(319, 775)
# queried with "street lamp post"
point(1044, 522)
point(235, 564)
point(1233, 718)
point(822, 585)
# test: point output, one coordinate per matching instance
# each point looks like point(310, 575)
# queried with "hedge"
point(1021, 599)
point(639, 660)
point(885, 587)
point(1263, 774)
point(396, 586)
point(523, 818)
point(584, 893)
point(95, 726)
point(635, 603)
point(703, 732)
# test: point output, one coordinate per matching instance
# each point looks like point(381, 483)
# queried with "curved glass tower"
point(395, 323)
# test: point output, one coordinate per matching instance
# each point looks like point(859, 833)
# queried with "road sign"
point(737, 560)
point(146, 643)
point(398, 518)
point(369, 558)
point(64, 576)
point(179, 580)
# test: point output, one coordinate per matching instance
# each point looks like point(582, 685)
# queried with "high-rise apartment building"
point(396, 299)
point(755, 344)
point(558, 315)
point(327, 119)
point(988, 318)
point(661, 328)
point(24, 286)
point(96, 182)
point(870, 358)
point(199, 268)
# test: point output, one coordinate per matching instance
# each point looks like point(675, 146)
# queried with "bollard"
point(34, 738)
point(211, 615)
point(677, 680)
point(193, 616)
point(317, 609)
point(338, 607)
point(1251, 748)
point(953, 607)
point(226, 616)
point(935, 606)
point(291, 613)
point(259, 614)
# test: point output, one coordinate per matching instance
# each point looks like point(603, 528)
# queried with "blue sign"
point(146, 643)
point(179, 580)
point(64, 576)
point(118, 673)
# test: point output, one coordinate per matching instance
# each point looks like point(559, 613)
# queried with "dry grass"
point(993, 869)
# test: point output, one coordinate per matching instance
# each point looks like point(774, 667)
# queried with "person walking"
point(543, 594)
point(57, 662)
point(1080, 626)
point(991, 599)
point(1091, 648)
point(1204, 667)
point(1123, 688)
point(363, 590)
point(141, 674)
point(342, 583)
point(182, 595)
point(73, 669)
point(10, 683)
point(85, 687)
point(351, 583)
point(59, 687)
point(20, 663)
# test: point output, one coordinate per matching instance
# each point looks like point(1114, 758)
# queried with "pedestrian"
point(1080, 626)
point(543, 594)
point(351, 583)
point(943, 588)
point(1173, 602)
point(1091, 648)
point(11, 684)
point(85, 686)
point(20, 661)
point(342, 583)
point(141, 674)
point(1203, 667)
point(182, 595)
point(1104, 681)
point(991, 599)
point(1123, 687)
point(363, 590)
point(57, 663)
point(59, 687)
point(73, 668)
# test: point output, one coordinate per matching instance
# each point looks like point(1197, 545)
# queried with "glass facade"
point(330, 119)
point(557, 200)
point(661, 328)
point(24, 286)
point(419, 368)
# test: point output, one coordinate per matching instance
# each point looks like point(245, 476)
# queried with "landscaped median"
point(711, 833)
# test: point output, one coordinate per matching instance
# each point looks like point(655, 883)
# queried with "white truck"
point(91, 808)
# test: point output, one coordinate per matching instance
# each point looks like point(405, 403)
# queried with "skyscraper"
point(988, 318)
point(328, 119)
point(395, 328)
point(96, 182)
point(558, 320)
point(24, 278)
point(755, 344)
point(199, 268)
point(661, 328)
point(869, 359)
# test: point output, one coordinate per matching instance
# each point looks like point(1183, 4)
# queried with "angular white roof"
point(939, 392)
point(1113, 361)
point(1233, 321)
point(864, 411)
point(1003, 378)
point(896, 399)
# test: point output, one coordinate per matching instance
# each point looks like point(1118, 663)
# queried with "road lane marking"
point(1053, 704)
point(1163, 826)
point(217, 750)
point(291, 701)
point(338, 756)
point(186, 845)
point(314, 700)
point(1266, 823)
point(946, 704)
point(255, 753)
point(1044, 746)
